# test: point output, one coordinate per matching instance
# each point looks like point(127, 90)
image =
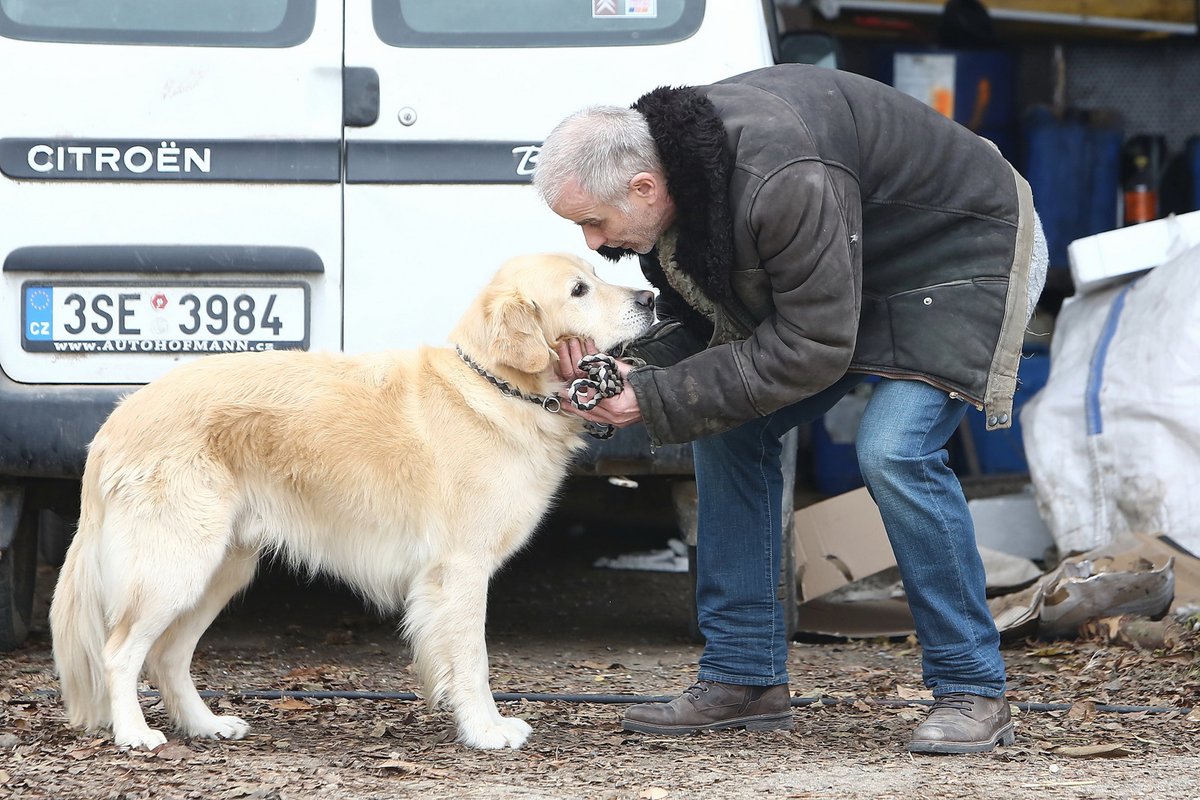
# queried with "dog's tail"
point(77, 617)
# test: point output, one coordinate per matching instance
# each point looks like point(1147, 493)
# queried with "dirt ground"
point(558, 625)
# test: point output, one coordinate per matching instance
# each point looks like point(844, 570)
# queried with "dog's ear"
point(516, 339)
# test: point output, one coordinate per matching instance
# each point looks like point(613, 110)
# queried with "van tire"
point(18, 573)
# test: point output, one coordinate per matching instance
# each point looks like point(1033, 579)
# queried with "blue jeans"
point(901, 451)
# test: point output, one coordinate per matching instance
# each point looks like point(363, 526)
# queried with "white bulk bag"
point(1113, 440)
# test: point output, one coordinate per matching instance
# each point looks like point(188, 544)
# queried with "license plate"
point(164, 318)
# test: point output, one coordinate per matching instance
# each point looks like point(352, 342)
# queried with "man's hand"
point(570, 353)
point(621, 410)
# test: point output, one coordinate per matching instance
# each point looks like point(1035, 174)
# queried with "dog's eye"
point(579, 290)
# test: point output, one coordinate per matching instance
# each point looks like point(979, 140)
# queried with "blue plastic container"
point(1193, 155)
point(1073, 169)
point(984, 87)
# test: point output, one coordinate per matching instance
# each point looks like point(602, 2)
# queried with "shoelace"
point(952, 702)
point(696, 689)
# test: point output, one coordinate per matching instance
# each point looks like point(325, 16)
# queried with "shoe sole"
point(1004, 736)
point(775, 722)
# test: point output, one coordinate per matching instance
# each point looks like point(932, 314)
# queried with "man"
point(807, 228)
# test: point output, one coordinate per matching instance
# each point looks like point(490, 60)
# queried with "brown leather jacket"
point(827, 223)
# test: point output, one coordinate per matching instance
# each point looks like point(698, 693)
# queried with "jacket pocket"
point(949, 330)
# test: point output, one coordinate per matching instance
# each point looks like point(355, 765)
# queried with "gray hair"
point(600, 147)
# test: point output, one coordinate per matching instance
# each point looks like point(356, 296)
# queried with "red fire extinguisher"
point(1143, 159)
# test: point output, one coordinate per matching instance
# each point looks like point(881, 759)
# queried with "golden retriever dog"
point(407, 474)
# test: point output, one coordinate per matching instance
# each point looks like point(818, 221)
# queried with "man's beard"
point(614, 253)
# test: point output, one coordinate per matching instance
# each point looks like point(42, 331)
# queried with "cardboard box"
point(842, 540)
point(1110, 257)
point(839, 541)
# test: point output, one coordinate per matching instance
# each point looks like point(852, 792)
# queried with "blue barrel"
point(1073, 168)
point(1193, 156)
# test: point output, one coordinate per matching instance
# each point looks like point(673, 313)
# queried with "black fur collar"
point(691, 143)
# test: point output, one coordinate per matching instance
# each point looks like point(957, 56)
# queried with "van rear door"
point(437, 190)
point(170, 178)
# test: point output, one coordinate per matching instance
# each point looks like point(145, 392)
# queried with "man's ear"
point(647, 186)
point(516, 339)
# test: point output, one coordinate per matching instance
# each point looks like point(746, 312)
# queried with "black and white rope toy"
point(602, 381)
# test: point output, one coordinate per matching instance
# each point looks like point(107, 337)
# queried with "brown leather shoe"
point(710, 706)
point(963, 723)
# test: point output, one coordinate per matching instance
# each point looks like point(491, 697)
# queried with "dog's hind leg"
point(150, 586)
point(169, 662)
point(124, 654)
point(445, 618)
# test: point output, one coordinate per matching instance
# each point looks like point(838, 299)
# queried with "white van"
point(185, 178)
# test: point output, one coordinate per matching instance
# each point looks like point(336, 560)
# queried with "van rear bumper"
point(45, 428)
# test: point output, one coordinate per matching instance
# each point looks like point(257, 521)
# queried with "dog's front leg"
point(445, 618)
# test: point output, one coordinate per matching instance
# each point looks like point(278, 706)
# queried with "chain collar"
point(551, 404)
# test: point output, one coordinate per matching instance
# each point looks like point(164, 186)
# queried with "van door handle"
point(360, 97)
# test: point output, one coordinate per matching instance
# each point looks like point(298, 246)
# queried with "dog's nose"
point(644, 299)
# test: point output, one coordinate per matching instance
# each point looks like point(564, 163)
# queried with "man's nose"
point(594, 239)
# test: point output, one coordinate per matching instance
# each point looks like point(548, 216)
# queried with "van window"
point(236, 23)
point(535, 23)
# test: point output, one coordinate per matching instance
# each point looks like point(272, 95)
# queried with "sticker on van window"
point(640, 9)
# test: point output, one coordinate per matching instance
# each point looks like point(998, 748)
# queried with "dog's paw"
point(144, 738)
point(504, 732)
point(228, 727)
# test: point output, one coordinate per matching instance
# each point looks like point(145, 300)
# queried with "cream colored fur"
point(405, 474)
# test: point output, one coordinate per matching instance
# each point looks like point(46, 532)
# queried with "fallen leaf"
point(412, 767)
point(172, 751)
point(905, 693)
point(653, 793)
point(80, 753)
point(290, 704)
point(1093, 751)
point(1051, 651)
point(1084, 710)
point(4, 776)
